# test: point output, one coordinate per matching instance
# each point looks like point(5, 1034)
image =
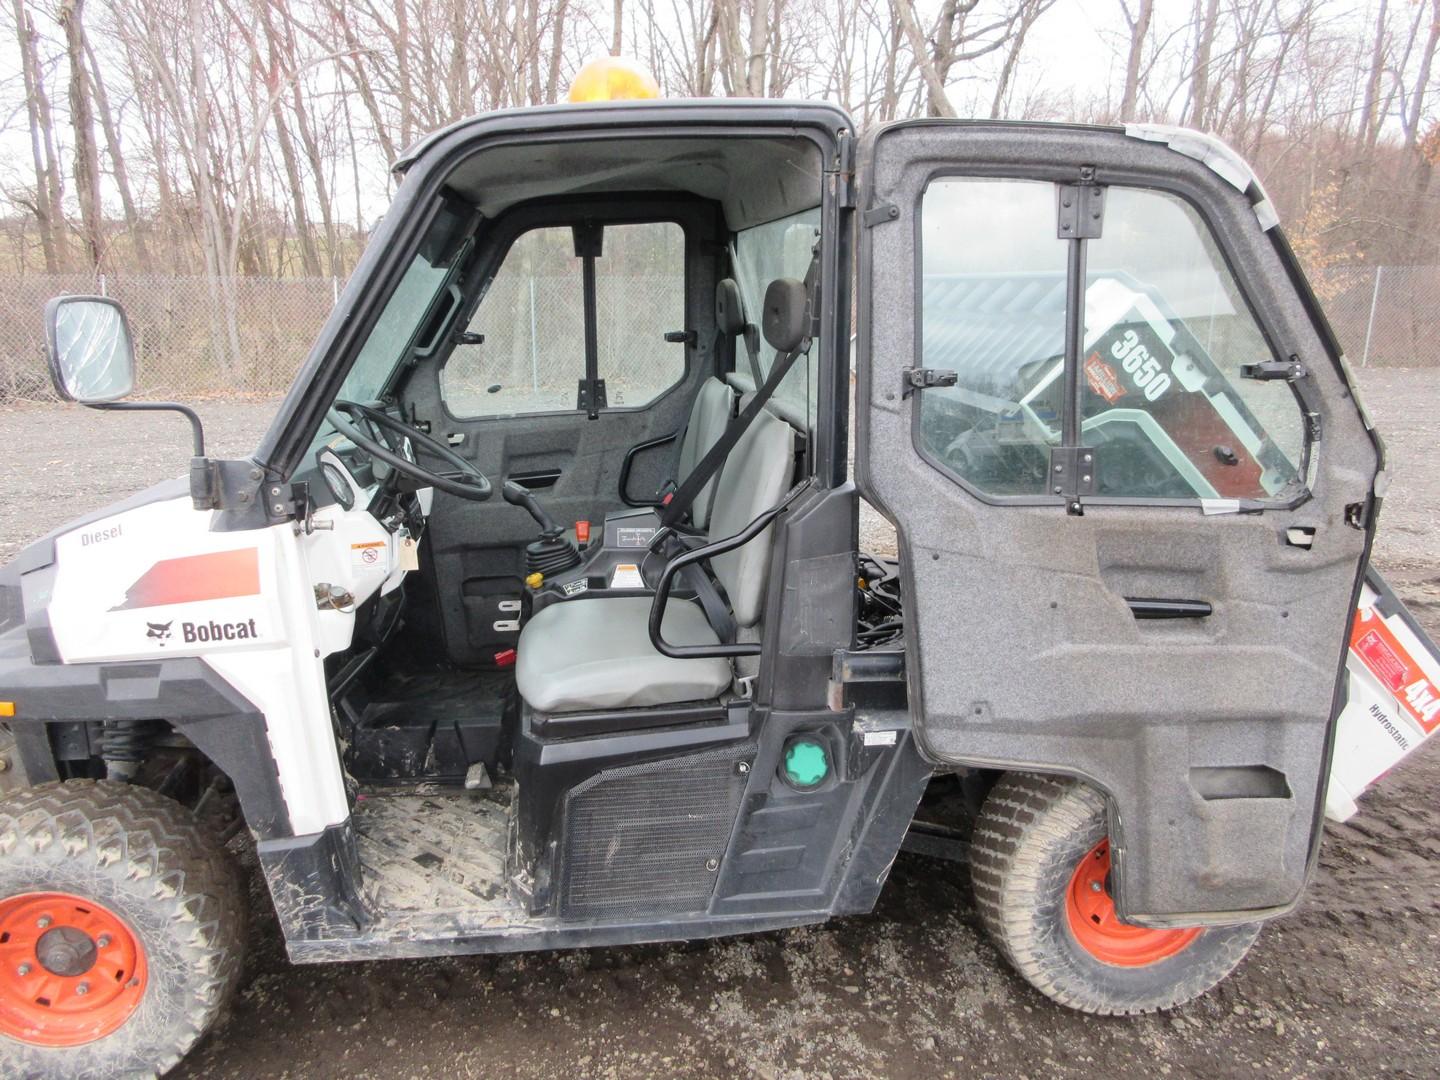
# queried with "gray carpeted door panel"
point(1210, 735)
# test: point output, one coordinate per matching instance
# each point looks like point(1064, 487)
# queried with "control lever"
point(519, 495)
point(554, 552)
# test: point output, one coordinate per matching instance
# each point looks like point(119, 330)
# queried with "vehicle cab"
point(540, 617)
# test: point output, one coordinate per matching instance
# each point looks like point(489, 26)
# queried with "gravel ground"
point(1349, 985)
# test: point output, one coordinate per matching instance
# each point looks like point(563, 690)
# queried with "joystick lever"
point(519, 495)
point(554, 552)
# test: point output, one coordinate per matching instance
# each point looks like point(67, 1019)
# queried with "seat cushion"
point(587, 654)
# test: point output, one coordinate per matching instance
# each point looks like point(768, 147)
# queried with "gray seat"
point(595, 653)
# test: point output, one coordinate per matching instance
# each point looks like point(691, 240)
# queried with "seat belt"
point(751, 333)
point(677, 505)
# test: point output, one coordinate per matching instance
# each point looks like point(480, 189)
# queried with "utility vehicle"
point(538, 619)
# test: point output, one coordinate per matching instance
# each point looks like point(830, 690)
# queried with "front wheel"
point(121, 930)
point(1040, 866)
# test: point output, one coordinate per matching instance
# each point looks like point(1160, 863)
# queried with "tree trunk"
point(47, 207)
point(934, 84)
point(82, 124)
point(1205, 23)
point(1139, 34)
point(121, 173)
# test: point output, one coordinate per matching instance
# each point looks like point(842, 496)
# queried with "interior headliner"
point(755, 179)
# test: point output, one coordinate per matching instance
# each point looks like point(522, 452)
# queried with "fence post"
point(101, 279)
point(1370, 324)
point(334, 290)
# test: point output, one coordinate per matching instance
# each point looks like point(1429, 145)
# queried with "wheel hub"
point(71, 970)
point(66, 951)
point(1098, 930)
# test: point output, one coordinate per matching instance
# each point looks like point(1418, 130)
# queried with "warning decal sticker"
point(1379, 650)
point(367, 556)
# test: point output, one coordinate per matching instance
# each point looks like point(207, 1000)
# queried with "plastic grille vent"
point(646, 839)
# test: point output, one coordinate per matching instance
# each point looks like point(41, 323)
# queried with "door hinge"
point(1080, 208)
point(1269, 370)
point(845, 161)
point(924, 378)
point(878, 215)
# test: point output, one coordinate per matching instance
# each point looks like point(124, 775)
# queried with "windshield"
point(394, 333)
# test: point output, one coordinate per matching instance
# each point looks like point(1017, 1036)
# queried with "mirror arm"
point(204, 476)
point(197, 432)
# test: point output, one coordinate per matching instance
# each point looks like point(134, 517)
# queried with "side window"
point(1166, 333)
point(776, 249)
point(532, 317)
point(993, 311)
point(639, 297)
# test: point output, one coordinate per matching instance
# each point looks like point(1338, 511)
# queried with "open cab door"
point(1133, 486)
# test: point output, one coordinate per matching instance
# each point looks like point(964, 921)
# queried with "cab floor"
point(437, 857)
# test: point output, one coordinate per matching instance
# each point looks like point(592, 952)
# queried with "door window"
point(1166, 334)
point(532, 317)
point(993, 311)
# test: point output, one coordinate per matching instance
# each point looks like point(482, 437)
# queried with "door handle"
point(1143, 607)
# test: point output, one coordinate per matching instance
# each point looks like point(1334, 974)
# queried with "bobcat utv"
point(538, 620)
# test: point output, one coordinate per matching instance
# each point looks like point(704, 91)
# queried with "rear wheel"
point(1040, 864)
point(121, 930)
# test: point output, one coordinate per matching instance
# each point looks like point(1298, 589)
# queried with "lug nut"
point(102, 941)
point(43, 921)
point(82, 989)
point(1095, 886)
point(24, 969)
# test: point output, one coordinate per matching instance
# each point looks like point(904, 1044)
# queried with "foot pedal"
point(476, 778)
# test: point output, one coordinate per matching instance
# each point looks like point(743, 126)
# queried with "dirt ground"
point(1347, 986)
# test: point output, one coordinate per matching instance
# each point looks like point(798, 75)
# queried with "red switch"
point(505, 658)
point(582, 532)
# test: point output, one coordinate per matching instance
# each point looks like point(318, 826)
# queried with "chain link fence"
point(185, 345)
point(1385, 316)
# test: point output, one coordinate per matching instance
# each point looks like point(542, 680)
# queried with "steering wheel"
point(466, 481)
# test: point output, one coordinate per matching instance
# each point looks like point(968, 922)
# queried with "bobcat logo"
point(159, 631)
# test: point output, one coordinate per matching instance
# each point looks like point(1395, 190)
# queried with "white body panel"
point(1394, 704)
point(156, 582)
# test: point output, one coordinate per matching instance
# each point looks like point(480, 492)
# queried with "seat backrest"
point(714, 404)
point(708, 418)
point(755, 477)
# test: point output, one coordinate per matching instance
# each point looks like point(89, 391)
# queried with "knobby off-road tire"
point(1030, 840)
point(160, 883)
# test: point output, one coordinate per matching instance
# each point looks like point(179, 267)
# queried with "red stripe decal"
point(216, 576)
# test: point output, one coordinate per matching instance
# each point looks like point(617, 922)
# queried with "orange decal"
point(1389, 661)
point(218, 575)
point(1103, 379)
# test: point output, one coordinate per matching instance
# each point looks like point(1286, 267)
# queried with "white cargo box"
point(1394, 701)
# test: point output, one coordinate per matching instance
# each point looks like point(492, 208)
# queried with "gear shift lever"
point(519, 495)
point(554, 552)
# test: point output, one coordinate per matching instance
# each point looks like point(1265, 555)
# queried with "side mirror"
point(92, 359)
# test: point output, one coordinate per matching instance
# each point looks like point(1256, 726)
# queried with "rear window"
point(532, 317)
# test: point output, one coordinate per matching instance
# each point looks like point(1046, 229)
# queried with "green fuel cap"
point(805, 763)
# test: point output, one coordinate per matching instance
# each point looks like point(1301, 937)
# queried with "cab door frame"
point(1211, 740)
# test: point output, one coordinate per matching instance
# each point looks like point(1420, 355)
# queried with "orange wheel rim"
point(1097, 928)
point(71, 970)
